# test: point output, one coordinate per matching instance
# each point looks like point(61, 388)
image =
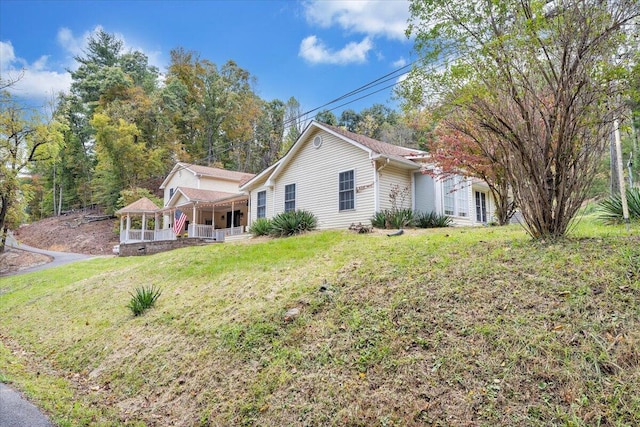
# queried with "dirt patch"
point(13, 260)
point(77, 233)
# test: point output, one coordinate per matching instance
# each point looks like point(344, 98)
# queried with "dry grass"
point(438, 327)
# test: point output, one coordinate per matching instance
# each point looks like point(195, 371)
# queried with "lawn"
point(456, 326)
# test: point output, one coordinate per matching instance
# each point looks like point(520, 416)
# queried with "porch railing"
point(195, 230)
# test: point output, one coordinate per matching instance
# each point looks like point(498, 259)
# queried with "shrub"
point(143, 298)
point(610, 210)
point(261, 227)
point(292, 222)
point(431, 220)
point(393, 218)
point(379, 219)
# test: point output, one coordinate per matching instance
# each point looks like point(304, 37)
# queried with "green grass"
point(456, 326)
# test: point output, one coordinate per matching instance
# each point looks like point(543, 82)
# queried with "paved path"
point(15, 411)
point(58, 258)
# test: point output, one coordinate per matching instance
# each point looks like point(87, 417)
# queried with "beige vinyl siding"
point(218, 185)
point(254, 202)
point(388, 177)
point(182, 178)
point(315, 171)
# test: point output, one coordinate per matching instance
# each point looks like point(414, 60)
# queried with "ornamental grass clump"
point(431, 220)
point(261, 227)
point(292, 222)
point(143, 298)
point(611, 208)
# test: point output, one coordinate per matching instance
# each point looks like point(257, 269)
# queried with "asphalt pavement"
point(16, 411)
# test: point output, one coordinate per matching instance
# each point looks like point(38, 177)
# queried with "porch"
point(207, 232)
point(211, 220)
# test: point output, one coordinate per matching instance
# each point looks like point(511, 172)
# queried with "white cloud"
point(371, 17)
point(399, 63)
point(36, 80)
point(313, 50)
point(40, 80)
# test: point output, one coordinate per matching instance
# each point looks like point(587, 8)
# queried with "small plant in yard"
point(431, 220)
point(611, 208)
point(292, 222)
point(261, 227)
point(143, 298)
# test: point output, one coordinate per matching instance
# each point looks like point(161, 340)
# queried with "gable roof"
point(143, 205)
point(206, 171)
point(375, 149)
point(374, 145)
point(202, 196)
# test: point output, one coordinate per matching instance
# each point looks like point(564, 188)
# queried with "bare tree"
point(539, 78)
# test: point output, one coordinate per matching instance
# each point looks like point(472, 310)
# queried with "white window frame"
point(261, 206)
point(352, 191)
point(290, 200)
point(455, 197)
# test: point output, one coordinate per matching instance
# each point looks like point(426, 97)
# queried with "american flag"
point(179, 221)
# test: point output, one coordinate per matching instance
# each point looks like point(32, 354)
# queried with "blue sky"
point(314, 50)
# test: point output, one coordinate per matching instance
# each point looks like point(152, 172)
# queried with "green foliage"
point(292, 222)
point(261, 227)
point(611, 208)
point(143, 298)
point(431, 220)
point(379, 219)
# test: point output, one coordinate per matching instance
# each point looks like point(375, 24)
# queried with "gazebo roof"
point(143, 205)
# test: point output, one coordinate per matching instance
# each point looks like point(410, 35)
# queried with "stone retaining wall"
point(148, 248)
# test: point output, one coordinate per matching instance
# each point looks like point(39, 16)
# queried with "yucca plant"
point(379, 219)
point(143, 298)
point(261, 227)
point(292, 222)
point(431, 220)
point(610, 210)
point(401, 218)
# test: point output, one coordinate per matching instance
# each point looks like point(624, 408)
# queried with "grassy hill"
point(437, 327)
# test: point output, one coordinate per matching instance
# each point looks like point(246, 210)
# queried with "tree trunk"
point(3, 228)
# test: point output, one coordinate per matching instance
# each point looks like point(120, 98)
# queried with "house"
point(202, 201)
point(344, 178)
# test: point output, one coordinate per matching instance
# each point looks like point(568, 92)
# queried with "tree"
point(536, 76)
point(25, 137)
point(293, 124)
point(463, 147)
point(326, 116)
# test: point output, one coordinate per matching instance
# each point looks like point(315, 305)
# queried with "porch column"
point(232, 215)
point(144, 224)
point(126, 238)
point(192, 230)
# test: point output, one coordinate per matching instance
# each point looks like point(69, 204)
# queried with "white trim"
point(354, 190)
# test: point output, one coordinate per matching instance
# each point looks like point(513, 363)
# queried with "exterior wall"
point(182, 178)
point(253, 201)
point(425, 193)
point(390, 177)
point(148, 248)
point(315, 171)
point(185, 178)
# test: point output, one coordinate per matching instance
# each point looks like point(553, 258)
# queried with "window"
point(455, 198)
point(289, 197)
point(346, 193)
point(481, 207)
point(262, 204)
point(170, 193)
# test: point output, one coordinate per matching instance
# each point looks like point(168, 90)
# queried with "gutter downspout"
point(376, 181)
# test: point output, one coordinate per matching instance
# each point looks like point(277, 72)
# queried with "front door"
point(481, 207)
point(236, 219)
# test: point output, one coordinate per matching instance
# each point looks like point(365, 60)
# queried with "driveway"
point(15, 411)
point(58, 258)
